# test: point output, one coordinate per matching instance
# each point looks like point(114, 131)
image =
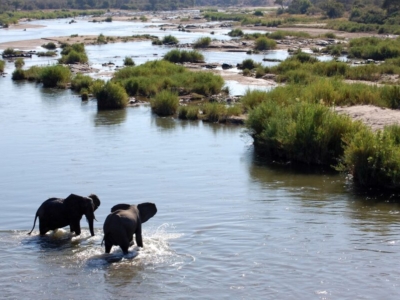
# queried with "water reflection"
point(164, 123)
point(110, 117)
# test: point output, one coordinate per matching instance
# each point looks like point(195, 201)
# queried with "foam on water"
point(85, 251)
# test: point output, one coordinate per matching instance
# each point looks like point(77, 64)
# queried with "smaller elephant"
point(56, 213)
point(123, 222)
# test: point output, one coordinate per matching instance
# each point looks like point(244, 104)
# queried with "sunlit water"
point(227, 225)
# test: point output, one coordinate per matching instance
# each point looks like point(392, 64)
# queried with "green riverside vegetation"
point(182, 56)
point(152, 77)
point(2, 65)
point(165, 103)
point(72, 54)
point(111, 96)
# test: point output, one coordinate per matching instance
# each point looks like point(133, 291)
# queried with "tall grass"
point(202, 42)
point(55, 76)
point(300, 132)
point(214, 112)
point(373, 159)
point(111, 96)
point(181, 56)
point(165, 103)
point(264, 43)
point(152, 77)
point(2, 65)
point(72, 54)
point(188, 112)
point(80, 82)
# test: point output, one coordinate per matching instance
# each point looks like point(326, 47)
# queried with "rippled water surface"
point(228, 226)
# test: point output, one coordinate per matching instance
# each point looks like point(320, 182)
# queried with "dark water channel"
point(227, 225)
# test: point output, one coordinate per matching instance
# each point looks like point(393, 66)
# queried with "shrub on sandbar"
point(111, 96)
point(302, 132)
point(373, 159)
point(2, 65)
point(181, 56)
point(188, 112)
point(165, 103)
point(55, 76)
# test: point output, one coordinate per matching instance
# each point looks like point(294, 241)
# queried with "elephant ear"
point(146, 210)
point(122, 206)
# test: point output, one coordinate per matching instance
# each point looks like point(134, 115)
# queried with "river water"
point(228, 226)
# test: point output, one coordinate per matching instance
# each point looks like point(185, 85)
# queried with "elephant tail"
point(34, 224)
point(104, 237)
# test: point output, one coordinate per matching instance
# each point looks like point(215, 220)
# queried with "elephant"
point(56, 213)
point(123, 222)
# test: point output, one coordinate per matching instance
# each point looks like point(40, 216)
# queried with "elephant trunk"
point(90, 217)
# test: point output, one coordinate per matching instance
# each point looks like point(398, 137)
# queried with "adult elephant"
point(56, 213)
point(123, 222)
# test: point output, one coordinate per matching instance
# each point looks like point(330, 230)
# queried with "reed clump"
point(302, 132)
point(202, 42)
point(182, 56)
point(154, 76)
point(72, 54)
point(188, 112)
point(55, 76)
point(373, 159)
point(2, 65)
point(165, 103)
point(111, 96)
point(80, 82)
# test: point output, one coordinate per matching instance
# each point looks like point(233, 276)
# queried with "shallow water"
point(227, 226)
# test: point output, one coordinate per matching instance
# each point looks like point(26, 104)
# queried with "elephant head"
point(123, 222)
point(147, 210)
point(77, 206)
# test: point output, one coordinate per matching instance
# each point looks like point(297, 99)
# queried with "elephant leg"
point(108, 245)
point(43, 228)
point(75, 226)
point(139, 240)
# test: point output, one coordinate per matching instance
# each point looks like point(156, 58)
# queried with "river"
point(227, 226)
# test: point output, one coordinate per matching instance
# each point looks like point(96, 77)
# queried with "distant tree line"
point(10, 5)
point(361, 11)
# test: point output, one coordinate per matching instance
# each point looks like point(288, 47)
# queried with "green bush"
point(170, 40)
point(253, 98)
point(235, 32)
point(2, 65)
point(214, 112)
point(73, 57)
point(373, 159)
point(153, 76)
point(165, 103)
point(18, 74)
point(188, 112)
point(9, 51)
point(80, 82)
point(49, 46)
point(202, 42)
point(55, 76)
point(181, 56)
point(101, 39)
point(47, 53)
point(111, 96)
point(301, 132)
point(19, 63)
point(33, 73)
point(248, 64)
point(264, 43)
point(128, 61)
